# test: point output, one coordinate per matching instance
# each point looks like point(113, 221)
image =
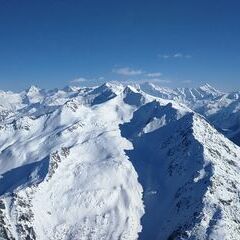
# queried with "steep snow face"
point(221, 202)
point(81, 163)
point(189, 174)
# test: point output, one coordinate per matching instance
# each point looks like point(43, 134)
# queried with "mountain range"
point(120, 162)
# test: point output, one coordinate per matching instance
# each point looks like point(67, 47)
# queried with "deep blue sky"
point(49, 43)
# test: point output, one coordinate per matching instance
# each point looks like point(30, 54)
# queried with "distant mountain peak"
point(70, 88)
point(33, 89)
point(208, 88)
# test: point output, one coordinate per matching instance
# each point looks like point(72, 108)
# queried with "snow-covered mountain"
point(117, 162)
point(192, 97)
point(221, 109)
point(224, 113)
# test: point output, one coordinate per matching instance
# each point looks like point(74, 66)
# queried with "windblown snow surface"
point(118, 162)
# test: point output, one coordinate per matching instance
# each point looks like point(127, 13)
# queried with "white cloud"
point(154, 74)
point(126, 71)
point(153, 80)
point(175, 55)
point(78, 80)
point(164, 56)
point(178, 55)
point(159, 80)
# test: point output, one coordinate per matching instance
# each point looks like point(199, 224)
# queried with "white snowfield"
point(118, 162)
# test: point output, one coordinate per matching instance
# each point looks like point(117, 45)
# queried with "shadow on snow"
point(23, 176)
point(167, 161)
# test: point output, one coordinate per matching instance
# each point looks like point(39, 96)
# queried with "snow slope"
point(112, 162)
point(62, 165)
